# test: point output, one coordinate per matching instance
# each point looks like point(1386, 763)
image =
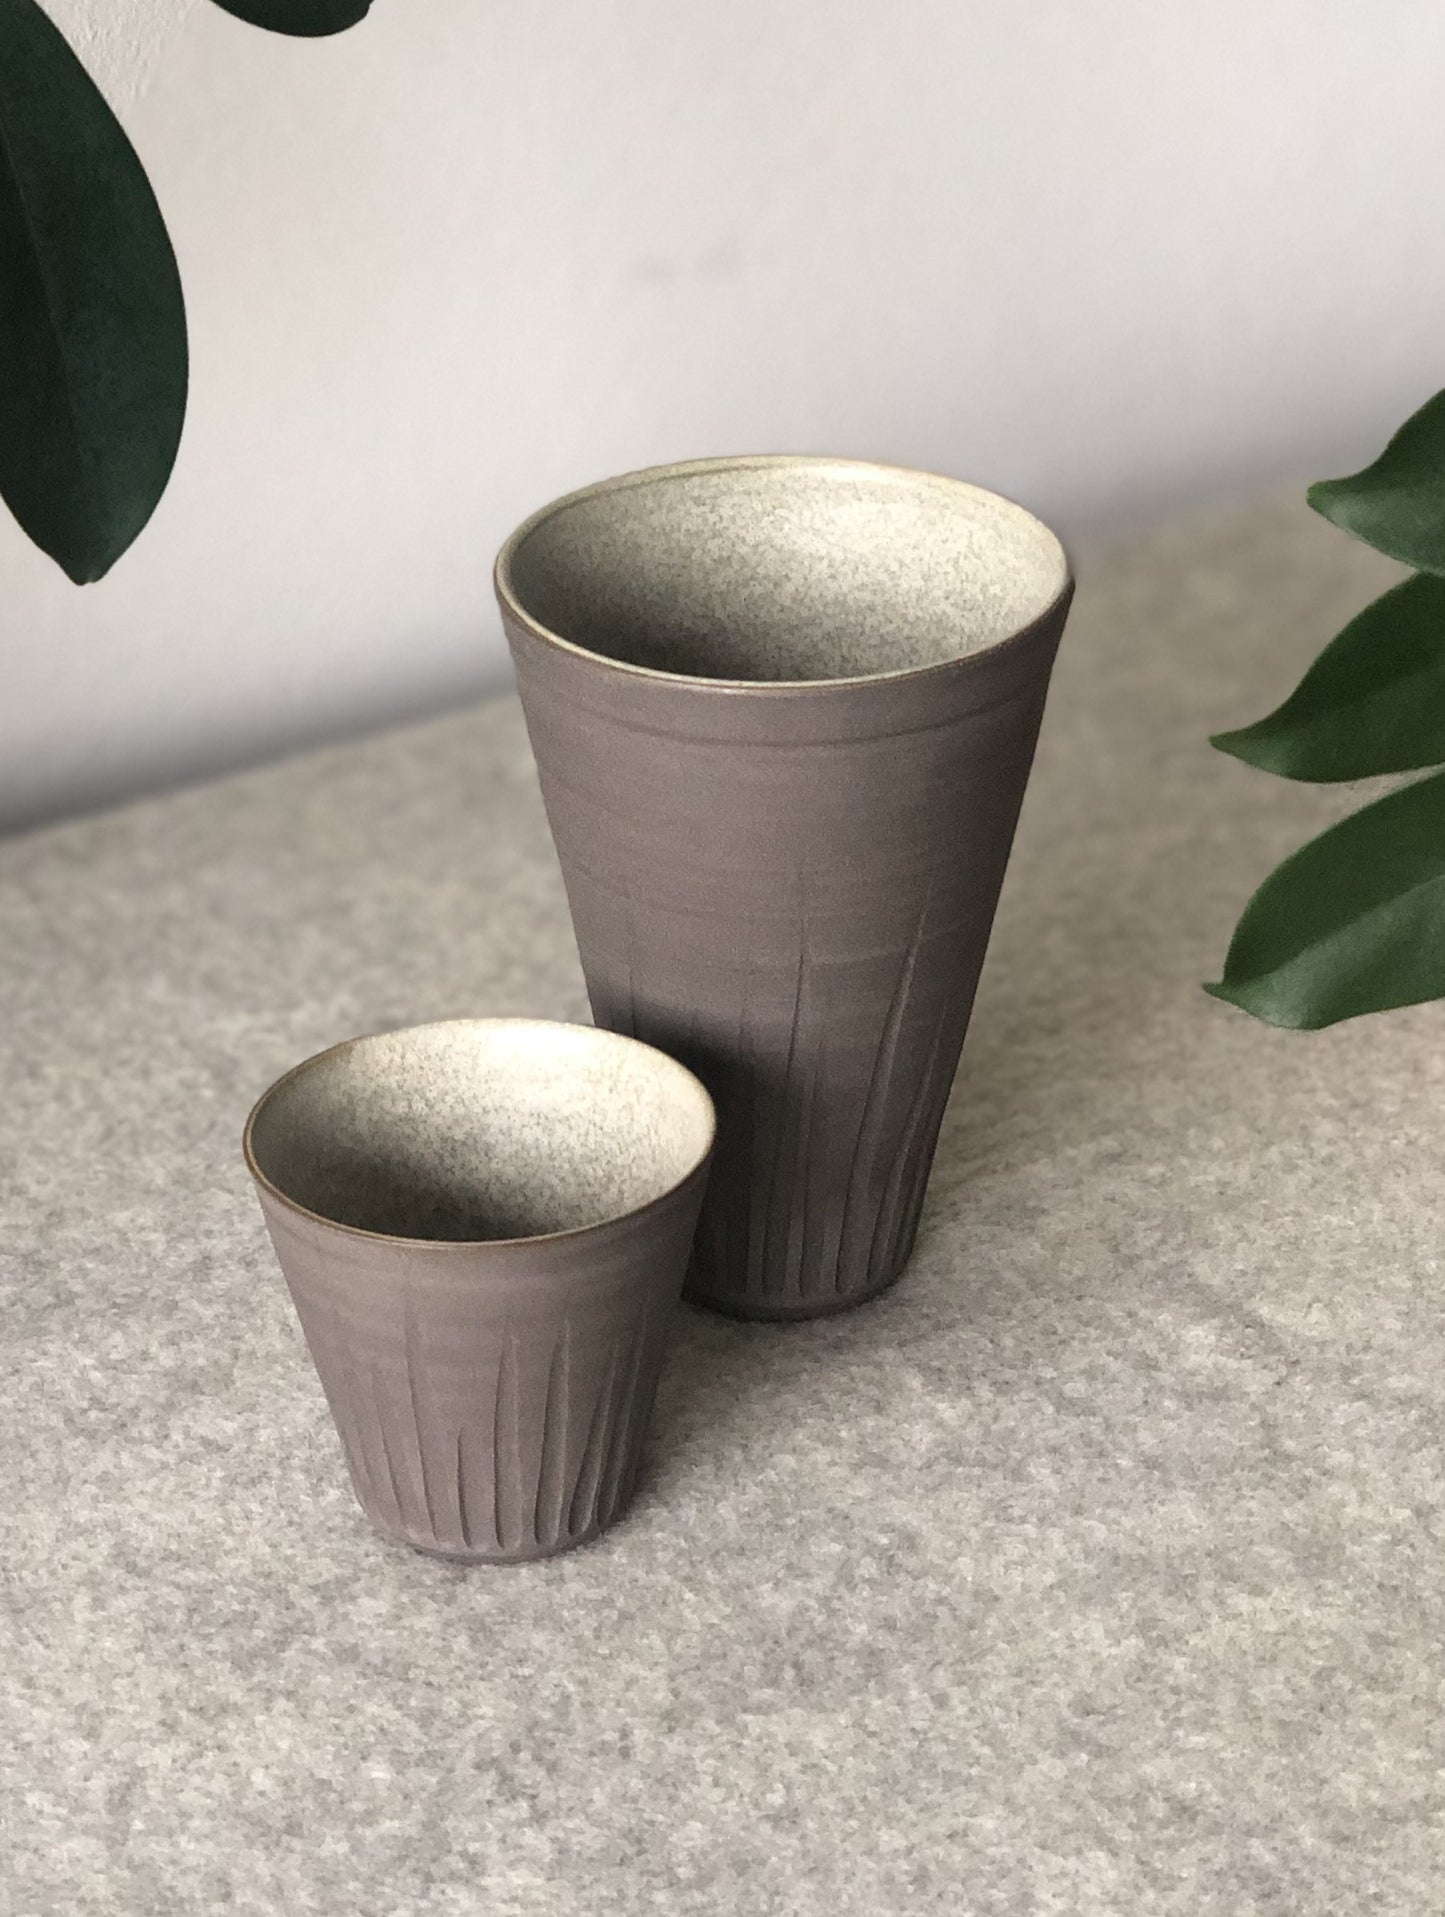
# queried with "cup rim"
point(733, 688)
point(473, 1245)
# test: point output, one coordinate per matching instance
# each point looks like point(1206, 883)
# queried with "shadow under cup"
point(784, 712)
point(484, 1226)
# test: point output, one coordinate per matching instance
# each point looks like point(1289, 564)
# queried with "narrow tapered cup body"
point(784, 713)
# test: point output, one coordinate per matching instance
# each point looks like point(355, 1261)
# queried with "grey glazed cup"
point(783, 712)
point(484, 1226)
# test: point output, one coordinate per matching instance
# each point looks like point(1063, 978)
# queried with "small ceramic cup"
point(484, 1226)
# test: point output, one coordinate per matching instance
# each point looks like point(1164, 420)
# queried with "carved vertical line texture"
point(504, 1437)
point(773, 1139)
point(584, 1437)
point(623, 1417)
point(379, 1417)
point(807, 1203)
point(342, 1395)
point(464, 1525)
point(862, 1176)
point(800, 1182)
point(582, 1511)
point(905, 1158)
point(408, 1339)
point(551, 1488)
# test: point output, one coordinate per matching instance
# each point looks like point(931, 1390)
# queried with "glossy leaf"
point(1353, 922)
point(92, 323)
point(1373, 702)
point(1398, 504)
point(308, 19)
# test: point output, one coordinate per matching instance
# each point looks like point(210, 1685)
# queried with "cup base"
point(530, 1554)
point(764, 1311)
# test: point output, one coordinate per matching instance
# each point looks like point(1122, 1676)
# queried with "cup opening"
point(481, 1130)
point(783, 570)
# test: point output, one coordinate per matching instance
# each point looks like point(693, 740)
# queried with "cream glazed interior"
point(481, 1129)
point(783, 569)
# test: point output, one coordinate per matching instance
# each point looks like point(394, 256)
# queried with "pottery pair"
point(783, 712)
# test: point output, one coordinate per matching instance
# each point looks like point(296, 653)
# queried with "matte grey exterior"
point(491, 1400)
point(790, 888)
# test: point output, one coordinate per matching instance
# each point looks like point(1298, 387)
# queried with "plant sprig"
point(93, 350)
point(1354, 922)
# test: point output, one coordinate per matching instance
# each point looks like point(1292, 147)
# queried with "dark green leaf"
point(1374, 700)
point(308, 18)
point(1353, 922)
point(1398, 504)
point(92, 325)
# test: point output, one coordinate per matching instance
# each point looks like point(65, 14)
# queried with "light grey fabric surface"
point(1096, 1570)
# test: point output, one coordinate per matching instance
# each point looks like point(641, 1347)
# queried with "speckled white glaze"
point(481, 1129)
point(783, 569)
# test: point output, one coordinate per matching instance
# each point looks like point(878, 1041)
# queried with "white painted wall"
point(1100, 254)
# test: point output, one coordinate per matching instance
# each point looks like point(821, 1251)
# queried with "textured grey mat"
point(1097, 1570)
